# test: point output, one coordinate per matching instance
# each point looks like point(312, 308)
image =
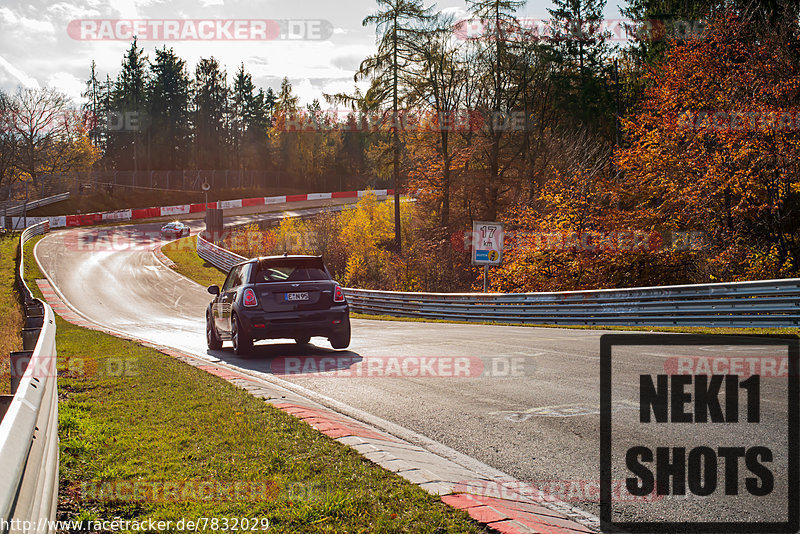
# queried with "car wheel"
point(214, 342)
point(341, 340)
point(241, 343)
point(302, 340)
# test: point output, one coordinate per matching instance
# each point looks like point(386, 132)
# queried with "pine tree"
point(94, 112)
point(580, 46)
point(210, 115)
point(399, 26)
point(169, 92)
point(130, 101)
point(286, 101)
point(242, 112)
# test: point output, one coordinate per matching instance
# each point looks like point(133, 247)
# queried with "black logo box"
point(792, 525)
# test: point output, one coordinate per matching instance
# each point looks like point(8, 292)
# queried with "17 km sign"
point(487, 242)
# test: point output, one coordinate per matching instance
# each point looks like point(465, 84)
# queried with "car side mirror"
point(214, 290)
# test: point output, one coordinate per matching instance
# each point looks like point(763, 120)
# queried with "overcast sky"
point(41, 44)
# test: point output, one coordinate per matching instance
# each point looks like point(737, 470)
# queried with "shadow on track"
point(281, 358)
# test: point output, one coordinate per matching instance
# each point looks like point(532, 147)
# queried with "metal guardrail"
point(33, 204)
point(225, 259)
point(29, 428)
point(763, 303)
point(769, 303)
point(217, 256)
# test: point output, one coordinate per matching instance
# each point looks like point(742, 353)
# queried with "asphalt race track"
point(525, 400)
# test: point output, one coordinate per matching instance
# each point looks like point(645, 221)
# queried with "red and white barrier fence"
point(88, 219)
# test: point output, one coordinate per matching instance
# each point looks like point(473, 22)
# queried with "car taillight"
point(249, 298)
point(338, 294)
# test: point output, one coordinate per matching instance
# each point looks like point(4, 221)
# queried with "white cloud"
point(66, 11)
point(11, 76)
point(35, 43)
point(457, 12)
point(341, 86)
point(67, 84)
point(13, 21)
point(306, 91)
point(125, 8)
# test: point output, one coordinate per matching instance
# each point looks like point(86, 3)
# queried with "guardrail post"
point(34, 321)
point(19, 363)
point(29, 337)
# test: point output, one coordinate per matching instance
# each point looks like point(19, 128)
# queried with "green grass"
point(131, 413)
point(676, 329)
point(184, 253)
point(11, 317)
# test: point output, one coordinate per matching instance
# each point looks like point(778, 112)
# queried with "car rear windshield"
point(291, 270)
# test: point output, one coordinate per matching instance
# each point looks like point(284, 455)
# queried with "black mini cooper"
point(277, 297)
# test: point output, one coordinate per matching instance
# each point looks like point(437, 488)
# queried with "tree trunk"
point(396, 139)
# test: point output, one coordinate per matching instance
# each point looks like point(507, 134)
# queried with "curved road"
point(540, 424)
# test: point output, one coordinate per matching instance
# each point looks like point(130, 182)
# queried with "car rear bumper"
point(324, 323)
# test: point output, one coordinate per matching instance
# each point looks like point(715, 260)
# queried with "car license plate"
point(297, 296)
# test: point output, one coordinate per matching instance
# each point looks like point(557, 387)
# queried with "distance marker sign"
point(487, 243)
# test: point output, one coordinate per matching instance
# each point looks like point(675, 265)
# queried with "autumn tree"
point(49, 134)
point(715, 147)
point(438, 90)
point(497, 95)
point(397, 23)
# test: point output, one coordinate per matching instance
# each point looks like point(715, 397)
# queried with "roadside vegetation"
point(697, 183)
point(11, 317)
point(668, 158)
point(129, 413)
point(183, 252)
point(667, 155)
point(357, 246)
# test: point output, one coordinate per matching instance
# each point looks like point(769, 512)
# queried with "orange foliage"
point(715, 147)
